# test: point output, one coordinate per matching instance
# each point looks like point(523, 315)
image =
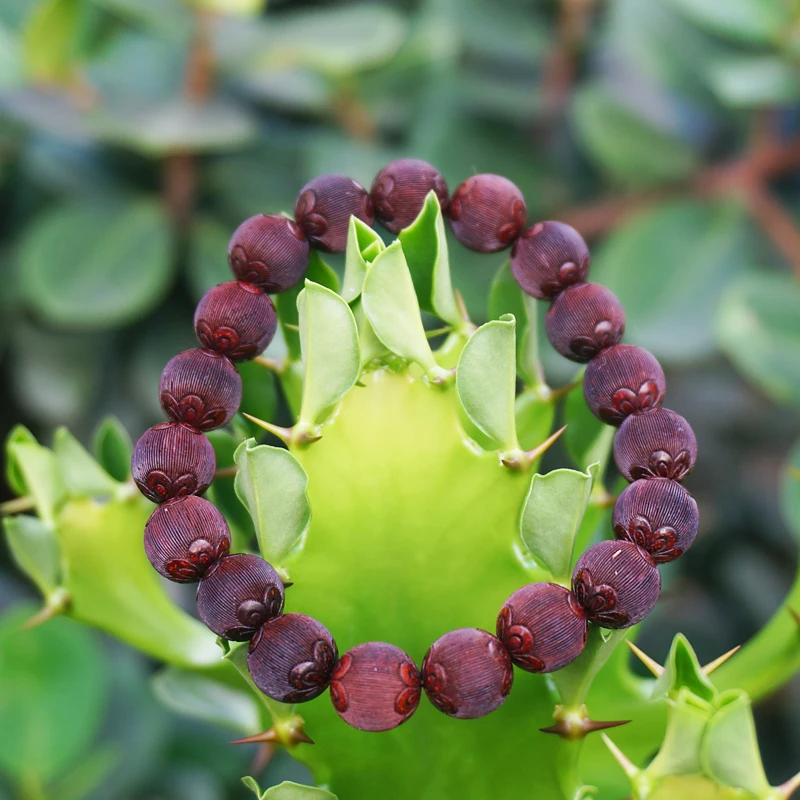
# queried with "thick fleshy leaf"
point(686, 721)
point(19, 434)
point(753, 81)
point(749, 21)
point(272, 485)
point(50, 39)
point(39, 470)
point(113, 448)
point(81, 474)
point(682, 669)
point(287, 791)
point(34, 548)
point(363, 245)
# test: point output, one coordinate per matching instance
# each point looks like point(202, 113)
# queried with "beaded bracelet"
point(542, 627)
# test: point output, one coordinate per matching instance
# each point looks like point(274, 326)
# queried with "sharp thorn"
point(579, 729)
point(284, 434)
point(790, 787)
point(601, 725)
point(537, 452)
point(287, 584)
point(650, 663)
point(718, 662)
point(57, 603)
point(302, 736)
point(267, 737)
point(628, 767)
point(271, 364)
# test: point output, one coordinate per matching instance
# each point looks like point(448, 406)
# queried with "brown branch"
point(777, 223)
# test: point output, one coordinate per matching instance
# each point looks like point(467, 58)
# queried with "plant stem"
point(17, 506)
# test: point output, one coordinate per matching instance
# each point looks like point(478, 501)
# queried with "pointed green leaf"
point(329, 350)
point(363, 245)
point(19, 434)
point(113, 448)
point(35, 550)
point(272, 485)
point(287, 791)
point(370, 345)
point(683, 669)
point(687, 717)
point(41, 474)
point(81, 474)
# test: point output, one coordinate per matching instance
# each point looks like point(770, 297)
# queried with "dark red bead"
point(584, 320)
point(487, 213)
point(543, 627)
point(236, 320)
point(324, 207)
point(172, 460)
point(375, 687)
point(616, 583)
point(270, 251)
point(399, 191)
point(186, 537)
point(548, 257)
point(658, 444)
point(467, 673)
point(621, 381)
point(659, 515)
point(291, 658)
point(200, 388)
point(238, 595)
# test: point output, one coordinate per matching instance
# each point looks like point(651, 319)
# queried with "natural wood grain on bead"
point(659, 515)
point(172, 460)
point(616, 583)
point(399, 190)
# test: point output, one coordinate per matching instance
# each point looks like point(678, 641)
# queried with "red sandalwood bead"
point(238, 595)
point(270, 251)
point(487, 213)
point(236, 320)
point(172, 460)
point(548, 257)
point(399, 190)
point(659, 444)
point(324, 207)
point(659, 515)
point(186, 537)
point(616, 583)
point(621, 381)
point(467, 673)
point(200, 388)
point(291, 658)
point(375, 687)
point(543, 627)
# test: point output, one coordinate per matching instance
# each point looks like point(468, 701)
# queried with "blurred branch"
point(777, 223)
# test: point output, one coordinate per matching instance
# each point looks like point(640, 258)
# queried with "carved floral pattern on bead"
point(399, 191)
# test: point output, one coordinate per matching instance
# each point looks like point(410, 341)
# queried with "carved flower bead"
point(548, 257)
point(616, 583)
point(238, 595)
point(236, 320)
point(487, 213)
point(270, 251)
point(543, 627)
point(659, 444)
point(584, 320)
point(324, 207)
point(659, 515)
point(399, 191)
point(200, 388)
point(467, 673)
point(172, 460)
point(621, 381)
point(375, 687)
point(291, 658)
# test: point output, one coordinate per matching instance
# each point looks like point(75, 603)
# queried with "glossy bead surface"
point(238, 595)
point(584, 320)
point(399, 191)
point(548, 257)
point(375, 687)
point(487, 213)
point(270, 251)
point(172, 460)
point(621, 381)
point(659, 515)
point(236, 320)
point(658, 444)
point(324, 207)
point(467, 673)
point(200, 388)
point(185, 537)
point(543, 627)
point(291, 658)
point(616, 583)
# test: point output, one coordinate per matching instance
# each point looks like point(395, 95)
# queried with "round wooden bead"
point(270, 251)
point(375, 687)
point(658, 444)
point(467, 673)
point(238, 595)
point(548, 257)
point(543, 627)
point(324, 207)
point(616, 583)
point(200, 388)
point(291, 658)
point(621, 381)
point(399, 190)
point(172, 460)
point(584, 320)
point(186, 537)
point(235, 319)
point(487, 213)
point(659, 515)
